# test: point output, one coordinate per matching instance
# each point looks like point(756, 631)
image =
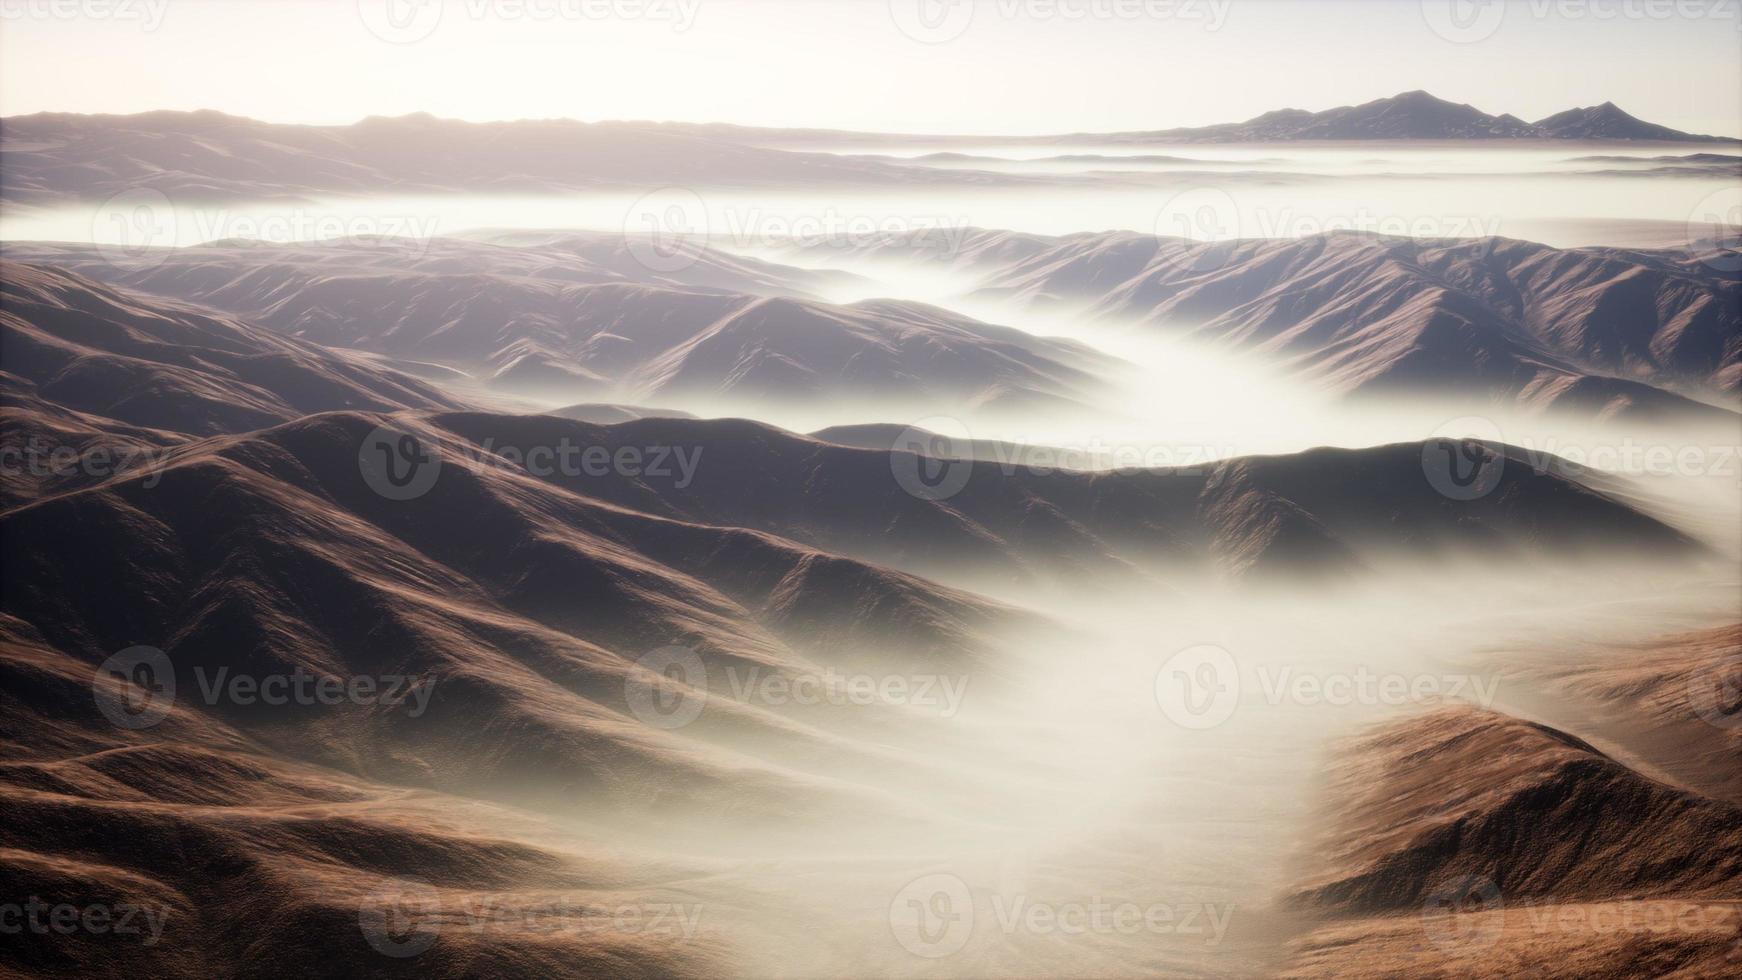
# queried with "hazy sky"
point(1003, 66)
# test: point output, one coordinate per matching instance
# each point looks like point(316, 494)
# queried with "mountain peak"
point(1608, 122)
point(1419, 114)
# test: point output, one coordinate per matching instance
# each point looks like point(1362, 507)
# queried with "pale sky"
point(1013, 66)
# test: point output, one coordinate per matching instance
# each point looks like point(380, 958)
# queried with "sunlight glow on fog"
point(723, 61)
point(1536, 193)
point(1066, 783)
point(1063, 779)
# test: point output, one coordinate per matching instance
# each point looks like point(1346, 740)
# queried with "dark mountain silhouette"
point(1410, 115)
point(1413, 115)
point(1609, 122)
point(1418, 115)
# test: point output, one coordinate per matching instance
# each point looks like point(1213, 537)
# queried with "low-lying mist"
point(1133, 796)
point(1564, 195)
point(1173, 402)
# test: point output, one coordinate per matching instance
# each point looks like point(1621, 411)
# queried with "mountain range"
point(1629, 334)
point(608, 596)
point(1247, 517)
point(580, 319)
point(1419, 116)
point(195, 481)
point(205, 155)
point(1415, 115)
point(1602, 332)
point(210, 156)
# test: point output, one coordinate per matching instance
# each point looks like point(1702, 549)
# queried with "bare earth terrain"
point(581, 602)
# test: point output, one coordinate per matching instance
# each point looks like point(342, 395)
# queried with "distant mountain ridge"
point(213, 156)
point(1407, 115)
point(1419, 115)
